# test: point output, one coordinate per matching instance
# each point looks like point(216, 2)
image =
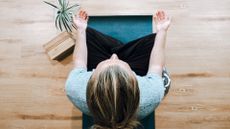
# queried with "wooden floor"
point(198, 57)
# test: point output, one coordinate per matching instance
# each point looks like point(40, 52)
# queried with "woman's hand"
point(80, 20)
point(162, 21)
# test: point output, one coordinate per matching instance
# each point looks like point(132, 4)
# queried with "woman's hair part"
point(113, 98)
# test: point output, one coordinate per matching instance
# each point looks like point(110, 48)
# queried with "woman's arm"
point(80, 50)
point(157, 57)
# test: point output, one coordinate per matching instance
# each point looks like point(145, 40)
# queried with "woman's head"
point(113, 95)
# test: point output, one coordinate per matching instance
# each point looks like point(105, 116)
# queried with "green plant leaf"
point(66, 5)
point(68, 22)
point(67, 17)
point(59, 21)
point(66, 25)
point(63, 23)
point(60, 3)
point(51, 4)
point(75, 5)
point(56, 21)
point(63, 19)
point(74, 26)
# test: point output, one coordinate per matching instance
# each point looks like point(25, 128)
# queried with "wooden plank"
point(32, 86)
point(131, 7)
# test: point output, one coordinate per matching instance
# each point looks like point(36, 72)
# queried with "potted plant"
point(62, 45)
point(63, 20)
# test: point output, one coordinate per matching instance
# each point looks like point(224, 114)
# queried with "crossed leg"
point(136, 53)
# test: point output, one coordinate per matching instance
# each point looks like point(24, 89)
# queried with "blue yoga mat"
point(124, 28)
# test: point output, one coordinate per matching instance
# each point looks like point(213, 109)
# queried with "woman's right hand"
point(80, 20)
point(162, 21)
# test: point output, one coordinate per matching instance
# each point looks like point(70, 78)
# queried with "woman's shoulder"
point(150, 76)
point(79, 70)
point(151, 80)
point(78, 77)
point(79, 73)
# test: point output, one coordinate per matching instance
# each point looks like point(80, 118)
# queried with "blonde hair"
point(113, 97)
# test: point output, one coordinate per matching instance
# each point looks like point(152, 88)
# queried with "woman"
point(117, 83)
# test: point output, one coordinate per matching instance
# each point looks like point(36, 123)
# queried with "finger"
point(84, 12)
point(155, 19)
point(81, 14)
point(159, 16)
point(87, 18)
point(163, 15)
point(84, 15)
